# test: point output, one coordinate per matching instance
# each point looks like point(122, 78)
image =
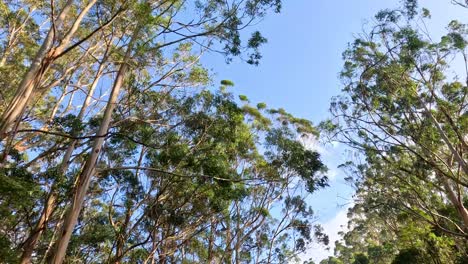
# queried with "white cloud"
point(332, 173)
point(328, 149)
point(331, 227)
point(329, 152)
point(311, 142)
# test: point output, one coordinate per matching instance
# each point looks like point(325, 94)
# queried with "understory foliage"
point(403, 109)
point(116, 148)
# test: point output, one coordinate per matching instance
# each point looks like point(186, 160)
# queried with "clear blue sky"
point(300, 65)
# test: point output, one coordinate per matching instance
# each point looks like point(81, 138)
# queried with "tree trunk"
point(121, 238)
point(41, 63)
point(35, 235)
point(456, 202)
point(85, 177)
point(37, 68)
point(446, 140)
point(119, 251)
point(211, 241)
point(228, 249)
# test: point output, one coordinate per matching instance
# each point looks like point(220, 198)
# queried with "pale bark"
point(35, 235)
point(86, 175)
point(37, 68)
point(457, 202)
point(41, 63)
point(12, 37)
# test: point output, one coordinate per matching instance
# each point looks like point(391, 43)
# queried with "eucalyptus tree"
point(57, 40)
point(403, 109)
point(66, 28)
point(100, 113)
point(223, 19)
point(195, 187)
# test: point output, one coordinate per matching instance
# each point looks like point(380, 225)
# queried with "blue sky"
point(299, 72)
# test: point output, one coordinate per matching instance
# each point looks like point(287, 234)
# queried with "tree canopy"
point(403, 109)
point(117, 145)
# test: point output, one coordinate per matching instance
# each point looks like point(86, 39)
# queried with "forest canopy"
point(117, 149)
point(403, 108)
point(118, 145)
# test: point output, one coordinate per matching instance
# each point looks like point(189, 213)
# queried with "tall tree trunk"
point(457, 202)
point(163, 247)
point(211, 241)
point(446, 140)
point(52, 239)
point(228, 249)
point(85, 177)
point(41, 63)
point(50, 204)
point(119, 250)
point(122, 237)
point(25, 88)
point(35, 235)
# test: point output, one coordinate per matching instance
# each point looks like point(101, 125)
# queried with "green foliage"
point(404, 116)
point(261, 106)
point(7, 252)
point(411, 255)
point(182, 174)
point(227, 83)
point(293, 156)
point(243, 98)
point(360, 259)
